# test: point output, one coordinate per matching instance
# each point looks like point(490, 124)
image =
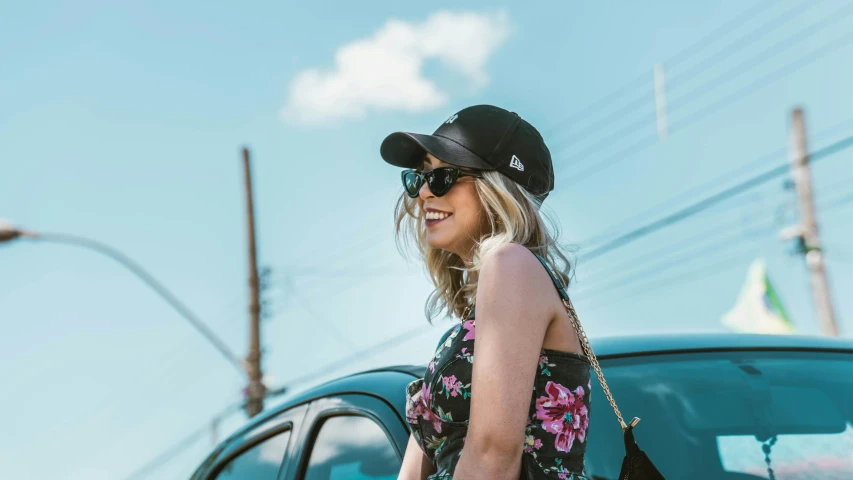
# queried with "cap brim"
point(407, 150)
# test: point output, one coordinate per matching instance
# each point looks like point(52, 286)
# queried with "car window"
point(717, 416)
point(261, 462)
point(352, 447)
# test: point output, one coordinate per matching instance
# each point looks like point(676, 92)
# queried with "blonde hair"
point(513, 216)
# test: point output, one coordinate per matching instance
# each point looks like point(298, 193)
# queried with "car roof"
point(638, 345)
point(389, 382)
point(386, 383)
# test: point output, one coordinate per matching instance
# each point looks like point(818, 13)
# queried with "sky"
point(123, 123)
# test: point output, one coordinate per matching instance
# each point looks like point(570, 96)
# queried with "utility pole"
point(807, 230)
point(660, 100)
point(256, 390)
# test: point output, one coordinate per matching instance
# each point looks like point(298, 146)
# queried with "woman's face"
point(453, 221)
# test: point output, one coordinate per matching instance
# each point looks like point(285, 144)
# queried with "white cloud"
point(385, 71)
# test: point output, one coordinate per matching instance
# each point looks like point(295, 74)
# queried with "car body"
point(711, 405)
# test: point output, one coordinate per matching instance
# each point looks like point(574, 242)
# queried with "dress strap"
point(557, 283)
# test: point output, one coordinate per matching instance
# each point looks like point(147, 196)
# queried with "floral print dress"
point(438, 407)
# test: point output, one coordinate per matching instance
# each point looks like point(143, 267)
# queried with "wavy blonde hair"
point(514, 216)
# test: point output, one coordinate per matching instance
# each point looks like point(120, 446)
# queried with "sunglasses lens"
point(441, 179)
point(412, 183)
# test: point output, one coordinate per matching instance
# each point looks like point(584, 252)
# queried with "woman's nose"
point(425, 193)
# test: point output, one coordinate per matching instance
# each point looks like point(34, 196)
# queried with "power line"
point(661, 267)
point(345, 272)
point(839, 202)
point(318, 275)
point(760, 57)
point(169, 454)
point(730, 240)
point(610, 119)
point(169, 360)
point(711, 201)
point(153, 283)
point(180, 446)
point(769, 78)
point(723, 178)
point(108, 403)
point(359, 355)
point(674, 60)
point(717, 181)
point(121, 440)
point(691, 118)
point(717, 33)
point(693, 274)
point(674, 85)
point(701, 238)
point(330, 325)
point(677, 82)
point(685, 277)
point(734, 47)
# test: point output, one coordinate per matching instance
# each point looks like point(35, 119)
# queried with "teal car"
point(713, 407)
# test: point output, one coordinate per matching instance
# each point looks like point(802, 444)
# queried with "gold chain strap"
point(587, 348)
point(467, 311)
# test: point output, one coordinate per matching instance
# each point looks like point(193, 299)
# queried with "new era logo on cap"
point(452, 119)
point(516, 164)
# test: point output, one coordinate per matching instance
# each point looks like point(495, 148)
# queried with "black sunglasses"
point(439, 180)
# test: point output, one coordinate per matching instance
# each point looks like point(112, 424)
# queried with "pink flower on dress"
point(531, 444)
point(420, 408)
point(418, 404)
point(581, 415)
point(426, 409)
point(452, 385)
point(564, 414)
point(469, 335)
point(431, 366)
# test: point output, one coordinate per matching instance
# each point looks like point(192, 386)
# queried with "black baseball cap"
point(482, 137)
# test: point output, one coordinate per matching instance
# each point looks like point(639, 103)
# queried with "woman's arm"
point(515, 305)
point(416, 465)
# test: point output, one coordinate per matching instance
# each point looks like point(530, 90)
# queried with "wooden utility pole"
point(256, 390)
point(808, 224)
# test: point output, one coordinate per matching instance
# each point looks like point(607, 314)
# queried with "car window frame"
point(288, 420)
point(371, 407)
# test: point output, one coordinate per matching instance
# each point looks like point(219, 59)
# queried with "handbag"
point(636, 465)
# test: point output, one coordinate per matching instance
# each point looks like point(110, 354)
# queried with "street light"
point(9, 233)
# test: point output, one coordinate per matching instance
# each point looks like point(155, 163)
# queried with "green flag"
point(758, 308)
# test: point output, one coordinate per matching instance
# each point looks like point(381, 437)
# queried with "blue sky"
point(123, 123)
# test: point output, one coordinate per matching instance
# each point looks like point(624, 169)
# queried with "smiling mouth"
point(432, 218)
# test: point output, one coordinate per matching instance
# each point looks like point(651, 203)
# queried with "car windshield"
point(713, 415)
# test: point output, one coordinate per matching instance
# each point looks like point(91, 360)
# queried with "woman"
point(470, 206)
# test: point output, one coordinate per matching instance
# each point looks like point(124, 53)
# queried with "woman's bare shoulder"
point(512, 275)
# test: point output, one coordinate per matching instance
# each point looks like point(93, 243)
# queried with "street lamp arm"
point(152, 282)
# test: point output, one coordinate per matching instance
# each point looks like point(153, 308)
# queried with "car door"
point(350, 436)
point(262, 453)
